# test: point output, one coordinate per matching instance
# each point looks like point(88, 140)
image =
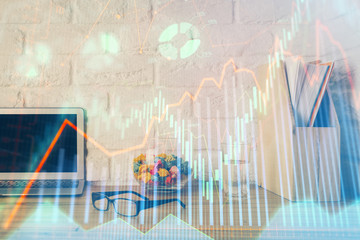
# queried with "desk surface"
point(213, 216)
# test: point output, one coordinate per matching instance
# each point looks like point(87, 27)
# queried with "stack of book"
point(307, 84)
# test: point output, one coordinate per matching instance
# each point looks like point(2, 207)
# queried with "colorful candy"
point(165, 170)
point(141, 158)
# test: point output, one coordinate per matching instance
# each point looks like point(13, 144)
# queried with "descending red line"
point(356, 97)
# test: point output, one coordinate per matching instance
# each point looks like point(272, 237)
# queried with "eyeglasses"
point(127, 207)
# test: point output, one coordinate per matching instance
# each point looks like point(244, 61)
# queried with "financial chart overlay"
point(227, 119)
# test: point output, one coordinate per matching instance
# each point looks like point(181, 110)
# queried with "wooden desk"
point(200, 212)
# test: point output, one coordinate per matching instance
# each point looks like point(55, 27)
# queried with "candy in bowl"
point(162, 172)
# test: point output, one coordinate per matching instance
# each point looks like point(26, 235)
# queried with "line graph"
point(218, 84)
point(356, 96)
point(107, 152)
point(186, 95)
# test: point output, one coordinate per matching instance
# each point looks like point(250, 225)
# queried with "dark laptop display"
point(25, 138)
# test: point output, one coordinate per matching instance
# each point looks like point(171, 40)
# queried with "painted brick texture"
point(105, 56)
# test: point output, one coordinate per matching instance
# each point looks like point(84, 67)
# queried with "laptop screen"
point(25, 138)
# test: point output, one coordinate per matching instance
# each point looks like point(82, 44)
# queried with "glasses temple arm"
point(109, 194)
point(154, 203)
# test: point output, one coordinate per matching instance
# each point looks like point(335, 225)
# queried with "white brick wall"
point(74, 67)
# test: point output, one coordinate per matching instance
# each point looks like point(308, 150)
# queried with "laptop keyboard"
point(39, 183)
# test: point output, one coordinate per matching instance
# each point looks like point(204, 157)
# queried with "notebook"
point(307, 83)
point(41, 151)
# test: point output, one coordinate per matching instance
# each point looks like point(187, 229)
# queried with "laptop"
point(41, 151)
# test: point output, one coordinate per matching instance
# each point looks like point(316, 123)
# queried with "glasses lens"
point(101, 204)
point(125, 207)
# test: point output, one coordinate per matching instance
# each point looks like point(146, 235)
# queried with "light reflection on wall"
point(100, 51)
point(34, 58)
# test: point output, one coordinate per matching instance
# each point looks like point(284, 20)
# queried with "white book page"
point(310, 81)
point(292, 66)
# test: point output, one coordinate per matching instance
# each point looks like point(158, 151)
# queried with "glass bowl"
point(162, 173)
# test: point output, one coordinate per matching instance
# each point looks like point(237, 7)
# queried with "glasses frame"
point(140, 204)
